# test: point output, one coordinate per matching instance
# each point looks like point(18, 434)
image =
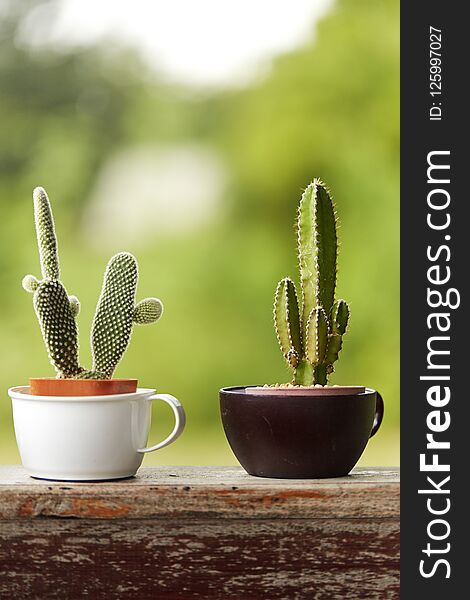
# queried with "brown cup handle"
point(379, 414)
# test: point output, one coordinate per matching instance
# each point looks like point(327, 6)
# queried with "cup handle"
point(379, 414)
point(180, 421)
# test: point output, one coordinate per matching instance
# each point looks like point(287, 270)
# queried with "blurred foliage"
point(328, 109)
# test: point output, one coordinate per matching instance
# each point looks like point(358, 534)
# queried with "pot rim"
point(21, 393)
point(284, 392)
point(65, 381)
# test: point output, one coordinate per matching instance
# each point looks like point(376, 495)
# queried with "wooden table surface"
point(200, 532)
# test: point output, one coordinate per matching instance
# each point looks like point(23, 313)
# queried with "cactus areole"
point(57, 312)
point(310, 331)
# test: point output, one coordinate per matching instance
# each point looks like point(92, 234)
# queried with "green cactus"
point(56, 310)
point(147, 311)
point(311, 337)
point(58, 327)
point(45, 231)
point(117, 311)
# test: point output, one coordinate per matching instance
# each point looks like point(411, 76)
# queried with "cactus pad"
point(30, 283)
point(47, 241)
point(147, 311)
point(58, 327)
point(112, 324)
point(74, 305)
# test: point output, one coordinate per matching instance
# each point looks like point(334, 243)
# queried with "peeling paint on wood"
point(182, 533)
point(228, 492)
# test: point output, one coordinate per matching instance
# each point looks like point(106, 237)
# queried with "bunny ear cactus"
point(310, 336)
point(116, 312)
point(56, 310)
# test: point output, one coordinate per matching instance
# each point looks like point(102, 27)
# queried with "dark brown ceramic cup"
point(292, 436)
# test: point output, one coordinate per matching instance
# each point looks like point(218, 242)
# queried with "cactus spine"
point(310, 337)
point(56, 311)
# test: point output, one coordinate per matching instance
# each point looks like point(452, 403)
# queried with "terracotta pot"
point(299, 436)
point(48, 386)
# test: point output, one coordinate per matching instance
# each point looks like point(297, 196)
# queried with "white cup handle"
point(180, 421)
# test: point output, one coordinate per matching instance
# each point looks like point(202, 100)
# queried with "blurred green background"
point(201, 183)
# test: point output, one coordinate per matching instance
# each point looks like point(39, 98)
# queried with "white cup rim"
point(21, 392)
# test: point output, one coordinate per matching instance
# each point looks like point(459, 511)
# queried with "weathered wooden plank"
point(239, 559)
point(216, 533)
point(161, 492)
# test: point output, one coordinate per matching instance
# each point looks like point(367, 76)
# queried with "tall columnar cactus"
point(310, 336)
point(56, 311)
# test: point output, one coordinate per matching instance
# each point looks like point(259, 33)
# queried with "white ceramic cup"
point(87, 438)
